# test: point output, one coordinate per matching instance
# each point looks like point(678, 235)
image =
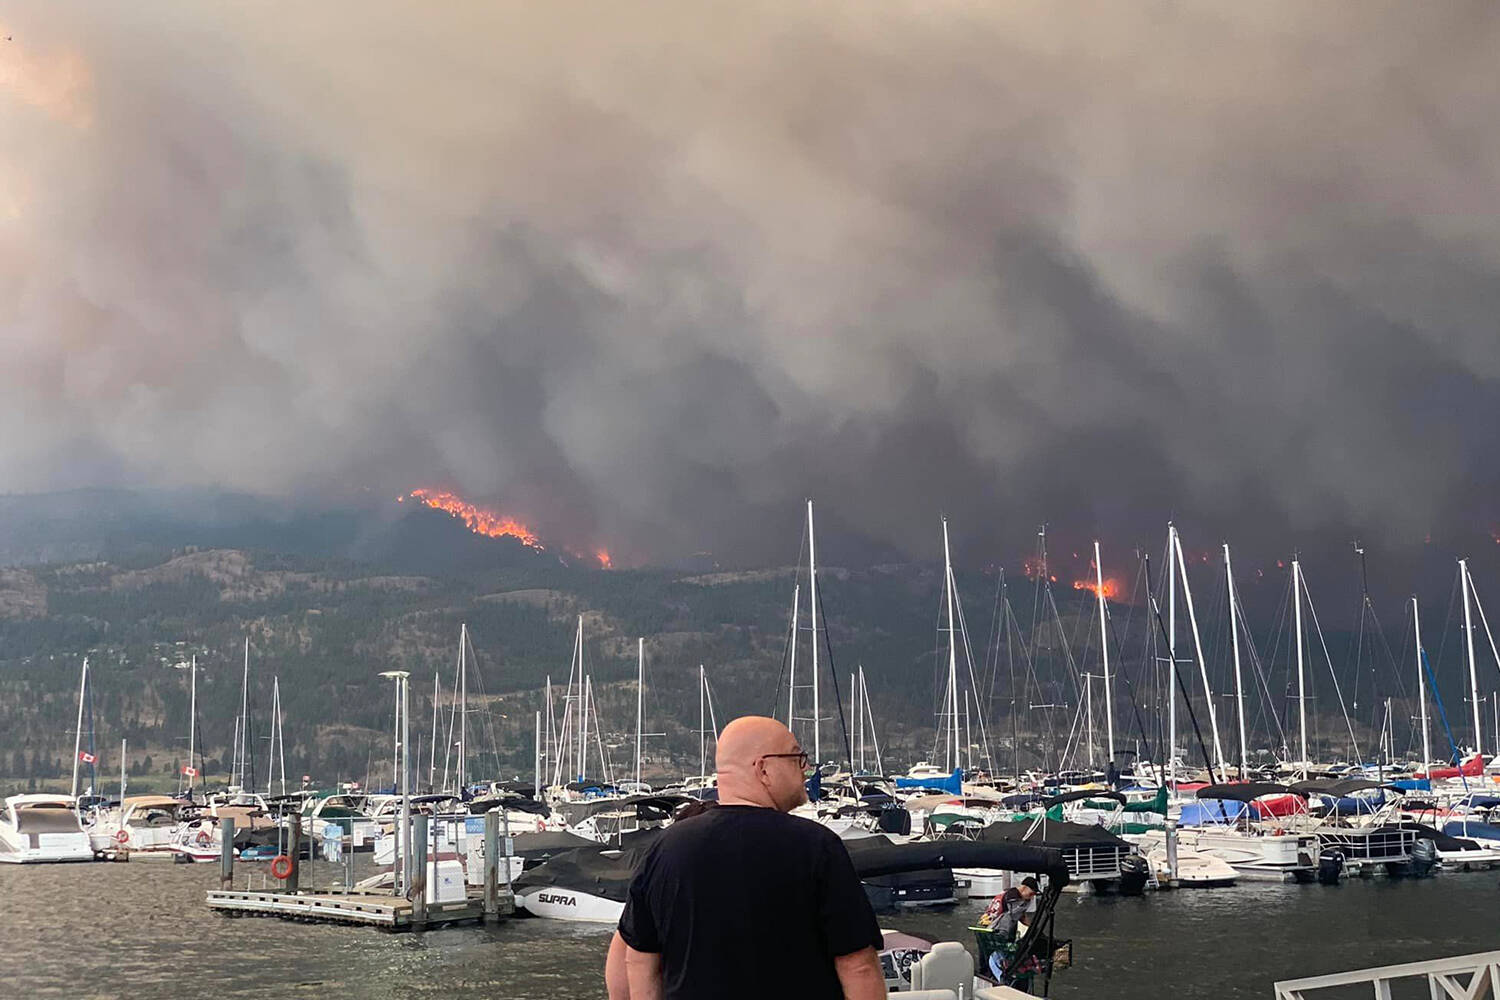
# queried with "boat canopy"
point(1248, 791)
point(1207, 811)
point(1050, 834)
point(878, 855)
point(1341, 787)
point(1098, 794)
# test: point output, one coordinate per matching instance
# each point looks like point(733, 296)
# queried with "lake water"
point(142, 929)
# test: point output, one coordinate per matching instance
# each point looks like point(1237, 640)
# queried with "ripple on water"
point(142, 928)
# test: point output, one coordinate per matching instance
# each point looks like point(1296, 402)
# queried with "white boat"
point(144, 825)
point(1194, 869)
point(40, 828)
point(558, 903)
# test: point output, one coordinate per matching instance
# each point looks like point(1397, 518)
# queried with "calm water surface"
point(107, 930)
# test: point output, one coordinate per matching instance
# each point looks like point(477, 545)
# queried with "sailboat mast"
point(1416, 619)
point(812, 600)
point(463, 707)
point(791, 687)
point(1301, 670)
point(954, 760)
point(702, 747)
point(1463, 568)
point(437, 696)
point(1088, 712)
point(1239, 687)
point(122, 771)
point(1208, 694)
point(536, 781)
point(1109, 701)
point(192, 725)
point(585, 696)
point(245, 718)
point(640, 701)
point(83, 683)
point(1172, 655)
point(583, 727)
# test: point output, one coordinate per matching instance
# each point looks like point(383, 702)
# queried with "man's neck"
point(735, 800)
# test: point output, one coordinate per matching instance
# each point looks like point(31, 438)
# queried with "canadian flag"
point(191, 772)
point(86, 757)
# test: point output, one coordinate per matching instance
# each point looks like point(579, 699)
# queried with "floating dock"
point(361, 908)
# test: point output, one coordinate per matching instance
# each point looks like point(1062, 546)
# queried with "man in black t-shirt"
point(746, 901)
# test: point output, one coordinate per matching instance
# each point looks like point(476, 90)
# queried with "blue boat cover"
point(1469, 828)
point(1413, 784)
point(953, 784)
point(1208, 811)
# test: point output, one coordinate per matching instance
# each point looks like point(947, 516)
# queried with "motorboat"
point(1226, 823)
point(40, 828)
point(585, 884)
point(1097, 860)
point(1194, 869)
point(145, 826)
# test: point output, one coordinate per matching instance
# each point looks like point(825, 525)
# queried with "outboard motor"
point(1424, 857)
point(894, 819)
point(1134, 873)
point(1330, 867)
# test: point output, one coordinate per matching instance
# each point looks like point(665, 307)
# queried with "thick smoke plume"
point(654, 272)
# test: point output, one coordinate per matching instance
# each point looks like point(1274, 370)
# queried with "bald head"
point(757, 764)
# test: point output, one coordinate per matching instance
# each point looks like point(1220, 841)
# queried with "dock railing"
point(1465, 977)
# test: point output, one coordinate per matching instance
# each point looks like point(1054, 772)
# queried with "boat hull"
point(555, 903)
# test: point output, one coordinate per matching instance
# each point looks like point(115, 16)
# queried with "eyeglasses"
point(800, 756)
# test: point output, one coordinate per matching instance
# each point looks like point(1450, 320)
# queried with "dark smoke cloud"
point(652, 273)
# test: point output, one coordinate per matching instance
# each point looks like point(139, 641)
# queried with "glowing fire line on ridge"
point(492, 524)
point(477, 519)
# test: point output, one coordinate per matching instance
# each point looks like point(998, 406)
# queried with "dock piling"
point(295, 854)
point(491, 865)
point(418, 889)
point(226, 852)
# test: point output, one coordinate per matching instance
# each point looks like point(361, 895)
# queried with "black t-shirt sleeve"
point(844, 912)
point(637, 923)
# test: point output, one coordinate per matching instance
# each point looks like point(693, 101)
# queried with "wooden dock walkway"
point(369, 909)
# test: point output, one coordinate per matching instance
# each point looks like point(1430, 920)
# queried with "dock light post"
point(403, 762)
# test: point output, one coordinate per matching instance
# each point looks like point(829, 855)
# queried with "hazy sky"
point(651, 273)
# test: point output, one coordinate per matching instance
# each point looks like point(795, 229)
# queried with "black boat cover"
point(1340, 787)
point(1441, 840)
point(879, 856)
point(1248, 791)
point(590, 870)
point(549, 843)
point(1084, 793)
point(1050, 834)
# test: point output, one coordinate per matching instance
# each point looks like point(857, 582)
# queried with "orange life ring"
point(281, 866)
point(203, 838)
point(122, 835)
point(1278, 832)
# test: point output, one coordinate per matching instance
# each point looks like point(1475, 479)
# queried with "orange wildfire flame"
point(479, 520)
point(605, 562)
point(1111, 587)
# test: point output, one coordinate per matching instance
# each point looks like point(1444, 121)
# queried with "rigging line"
point(1448, 621)
point(1443, 714)
point(984, 739)
point(992, 641)
point(838, 698)
point(489, 716)
point(1353, 741)
point(1255, 662)
point(1134, 707)
point(1187, 702)
point(786, 655)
